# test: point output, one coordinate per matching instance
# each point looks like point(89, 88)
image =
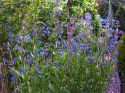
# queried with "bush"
point(121, 58)
point(120, 16)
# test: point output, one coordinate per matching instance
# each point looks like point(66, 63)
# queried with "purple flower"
point(24, 24)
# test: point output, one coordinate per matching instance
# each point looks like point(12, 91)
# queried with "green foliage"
point(121, 58)
point(103, 10)
point(120, 16)
point(97, 27)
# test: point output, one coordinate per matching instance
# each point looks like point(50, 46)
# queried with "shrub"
point(120, 16)
point(121, 58)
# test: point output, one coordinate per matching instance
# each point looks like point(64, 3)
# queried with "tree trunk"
point(69, 25)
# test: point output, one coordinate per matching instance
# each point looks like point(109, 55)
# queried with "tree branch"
point(77, 19)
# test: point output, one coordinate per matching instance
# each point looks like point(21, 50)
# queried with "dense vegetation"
point(49, 46)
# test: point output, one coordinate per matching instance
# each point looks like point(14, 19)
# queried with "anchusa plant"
point(43, 62)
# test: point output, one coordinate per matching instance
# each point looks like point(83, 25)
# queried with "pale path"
point(114, 85)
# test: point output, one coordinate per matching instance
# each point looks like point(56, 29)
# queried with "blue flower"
point(26, 51)
point(23, 69)
point(4, 60)
point(58, 43)
point(12, 73)
point(39, 41)
point(61, 32)
point(116, 39)
point(89, 51)
point(45, 53)
point(27, 37)
point(121, 32)
point(47, 28)
point(12, 79)
point(104, 64)
point(41, 28)
point(10, 33)
point(11, 40)
point(48, 32)
point(65, 45)
point(37, 51)
point(34, 62)
point(116, 52)
point(58, 65)
point(99, 62)
point(47, 65)
point(16, 40)
point(6, 27)
point(44, 32)
point(115, 74)
point(38, 68)
point(40, 73)
point(91, 59)
point(49, 59)
point(16, 75)
point(56, 62)
point(19, 47)
point(112, 46)
point(121, 41)
point(12, 62)
point(71, 52)
point(41, 48)
point(41, 53)
point(33, 33)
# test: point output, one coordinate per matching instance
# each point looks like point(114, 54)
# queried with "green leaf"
point(51, 87)
point(17, 72)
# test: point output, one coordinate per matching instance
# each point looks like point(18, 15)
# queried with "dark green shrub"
point(121, 58)
point(120, 15)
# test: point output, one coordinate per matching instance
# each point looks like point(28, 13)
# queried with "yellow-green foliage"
point(121, 58)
